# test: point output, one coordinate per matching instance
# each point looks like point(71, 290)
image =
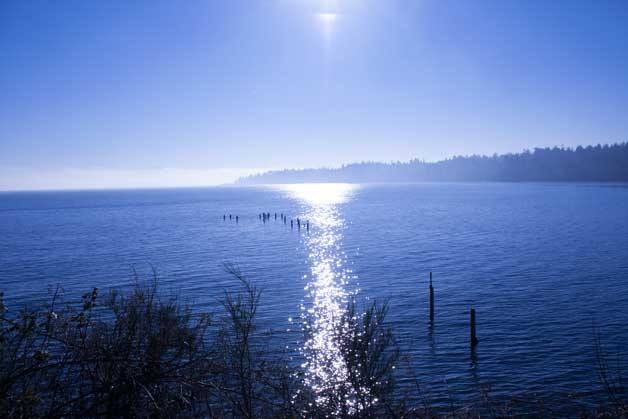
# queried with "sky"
point(99, 94)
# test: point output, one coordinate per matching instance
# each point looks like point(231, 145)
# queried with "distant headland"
point(599, 163)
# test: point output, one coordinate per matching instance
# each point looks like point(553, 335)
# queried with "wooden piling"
point(431, 300)
point(474, 339)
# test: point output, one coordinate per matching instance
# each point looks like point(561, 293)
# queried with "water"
point(541, 263)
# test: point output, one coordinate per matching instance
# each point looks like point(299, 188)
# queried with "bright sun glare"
point(327, 18)
point(328, 291)
point(320, 194)
point(327, 22)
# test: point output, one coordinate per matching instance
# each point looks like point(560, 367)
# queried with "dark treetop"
point(600, 163)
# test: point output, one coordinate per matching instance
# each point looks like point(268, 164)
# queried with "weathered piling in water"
point(308, 225)
point(291, 224)
point(474, 339)
point(229, 216)
point(275, 216)
point(237, 218)
point(224, 217)
point(431, 300)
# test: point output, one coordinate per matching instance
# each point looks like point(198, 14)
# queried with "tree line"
point(599, 163)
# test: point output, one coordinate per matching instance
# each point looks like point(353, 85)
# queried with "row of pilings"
point(266, 217)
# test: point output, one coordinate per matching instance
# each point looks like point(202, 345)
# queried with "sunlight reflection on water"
point(326, 293)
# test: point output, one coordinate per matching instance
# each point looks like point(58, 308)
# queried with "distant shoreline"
point(245, 185)
point(593, 164)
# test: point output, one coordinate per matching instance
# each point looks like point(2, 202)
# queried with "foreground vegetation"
point(142, 353)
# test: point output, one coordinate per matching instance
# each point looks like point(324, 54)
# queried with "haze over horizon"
point(118, 94)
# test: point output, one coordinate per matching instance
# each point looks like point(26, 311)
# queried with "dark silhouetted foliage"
point(600, 163)
point(141, 353)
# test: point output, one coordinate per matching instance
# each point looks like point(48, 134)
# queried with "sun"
point(327, 18)
point(327, 23)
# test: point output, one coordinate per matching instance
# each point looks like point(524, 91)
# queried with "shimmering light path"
point(327, 294)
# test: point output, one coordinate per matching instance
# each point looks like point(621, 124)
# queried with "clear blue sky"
point(149, 93)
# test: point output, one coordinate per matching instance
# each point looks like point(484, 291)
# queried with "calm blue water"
point(541, 263)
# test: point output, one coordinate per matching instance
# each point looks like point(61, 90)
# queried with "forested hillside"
point(600, 163)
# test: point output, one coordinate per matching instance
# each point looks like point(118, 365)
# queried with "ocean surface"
point(544, 265)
